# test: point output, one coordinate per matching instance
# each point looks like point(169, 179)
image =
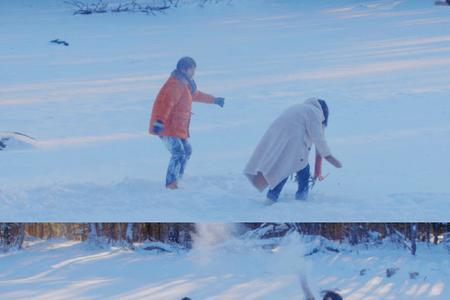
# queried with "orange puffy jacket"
point(173, 106)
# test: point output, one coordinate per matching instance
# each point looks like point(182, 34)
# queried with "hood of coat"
point(314, 101)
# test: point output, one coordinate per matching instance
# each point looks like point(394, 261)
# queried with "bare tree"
point(99, 7)
point(413, 238)
point(12, 235)
point(180, 234)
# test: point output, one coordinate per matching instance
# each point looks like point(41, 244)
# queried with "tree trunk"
point(413, 238)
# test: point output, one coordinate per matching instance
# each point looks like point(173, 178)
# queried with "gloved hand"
point(158, 127)
point(219, 101)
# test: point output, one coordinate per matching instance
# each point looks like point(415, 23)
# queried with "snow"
point(381, 65)
point(231, 268)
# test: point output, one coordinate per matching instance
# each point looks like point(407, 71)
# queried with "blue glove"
point(158, 127)
point(219, 101)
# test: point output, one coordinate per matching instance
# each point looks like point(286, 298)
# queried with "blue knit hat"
point(186, 63)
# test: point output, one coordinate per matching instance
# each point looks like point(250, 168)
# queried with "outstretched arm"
point(205, 98)
point(202, 97)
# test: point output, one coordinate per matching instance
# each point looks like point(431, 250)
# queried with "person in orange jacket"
point(171, 115)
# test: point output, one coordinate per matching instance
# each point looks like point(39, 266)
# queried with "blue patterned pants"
point(181, 152)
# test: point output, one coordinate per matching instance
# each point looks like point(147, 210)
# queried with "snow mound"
point(16, 141)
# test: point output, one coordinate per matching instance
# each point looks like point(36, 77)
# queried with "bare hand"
point(321, 177)
point(332, 160)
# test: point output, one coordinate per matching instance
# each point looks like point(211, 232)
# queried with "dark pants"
point(302, 180)
point(181, 152)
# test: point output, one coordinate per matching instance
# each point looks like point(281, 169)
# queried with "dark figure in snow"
point(171, 116)
point(59, 42)
point(328, 295)
point(186, 298)
point(284, 150)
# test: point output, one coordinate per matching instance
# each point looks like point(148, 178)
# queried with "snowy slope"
point(382, 65)
point(235, 269)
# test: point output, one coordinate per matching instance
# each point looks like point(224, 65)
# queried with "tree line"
point(12, 235)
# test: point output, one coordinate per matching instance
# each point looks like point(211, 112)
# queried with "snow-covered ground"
point(383, 66)
point(227, 270)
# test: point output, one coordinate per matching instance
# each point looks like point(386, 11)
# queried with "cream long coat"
point(285, 147)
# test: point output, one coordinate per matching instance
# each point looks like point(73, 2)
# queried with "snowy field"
point(383, 66)
point(234, 269)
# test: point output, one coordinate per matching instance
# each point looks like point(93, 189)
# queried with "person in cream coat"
point(284, 149)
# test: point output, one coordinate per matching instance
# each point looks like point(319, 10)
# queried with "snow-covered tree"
point(12, 235)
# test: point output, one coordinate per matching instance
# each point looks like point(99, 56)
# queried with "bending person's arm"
point(315, 131)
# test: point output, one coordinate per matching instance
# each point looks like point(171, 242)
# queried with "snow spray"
point(208, 236)
point(289, 256)
point(211, 239)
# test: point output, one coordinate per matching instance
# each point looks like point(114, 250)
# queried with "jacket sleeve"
point(168, 97)
point(202, 97)
point(314, 128)
point(318, 165)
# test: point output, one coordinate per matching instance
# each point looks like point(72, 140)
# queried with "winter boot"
point(172, 186)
